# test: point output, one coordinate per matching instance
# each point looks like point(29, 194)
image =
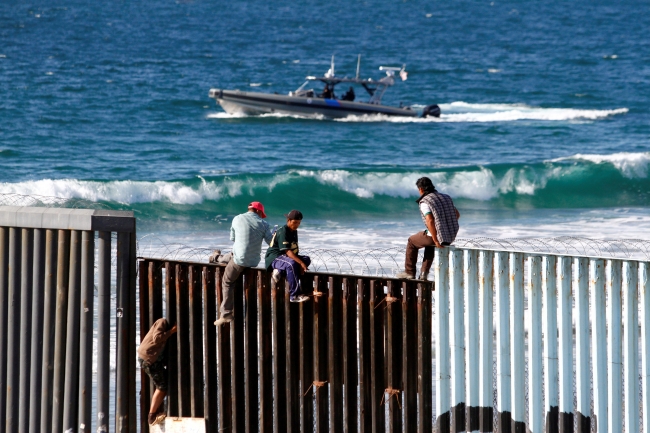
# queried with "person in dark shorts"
point(152, 362)
point(282, 256)
point(440, 218)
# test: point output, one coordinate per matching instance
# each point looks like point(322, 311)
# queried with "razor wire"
point(387, 262)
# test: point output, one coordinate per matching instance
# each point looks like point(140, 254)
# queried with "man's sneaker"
point(156, 418)
point(224, 319)
point(424, 277)
point(214, 256)
point(275, 276)
point(300, 298)
point(405, 276)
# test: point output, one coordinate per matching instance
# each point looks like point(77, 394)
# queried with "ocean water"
point(545, 128)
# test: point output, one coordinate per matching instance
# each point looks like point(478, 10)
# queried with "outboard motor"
point(431, 110)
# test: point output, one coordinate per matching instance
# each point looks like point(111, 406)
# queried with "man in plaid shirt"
point(440, 218)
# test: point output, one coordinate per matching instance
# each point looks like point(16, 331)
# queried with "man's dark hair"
point(424, 183)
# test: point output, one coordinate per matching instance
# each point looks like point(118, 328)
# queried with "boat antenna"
point(332, 65)
point(358, 65)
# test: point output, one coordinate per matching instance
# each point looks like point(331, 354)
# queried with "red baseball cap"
point(258, 206)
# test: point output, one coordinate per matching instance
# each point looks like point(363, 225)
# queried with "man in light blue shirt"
point(247, 231)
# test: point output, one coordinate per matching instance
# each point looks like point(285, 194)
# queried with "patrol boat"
point(307, 102)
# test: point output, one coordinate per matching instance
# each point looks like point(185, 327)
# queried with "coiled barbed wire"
point(389, 261)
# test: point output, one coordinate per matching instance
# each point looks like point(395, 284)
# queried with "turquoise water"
point(545, 127)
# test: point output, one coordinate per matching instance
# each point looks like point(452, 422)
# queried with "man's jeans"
point(417, 241)
point(230, 275)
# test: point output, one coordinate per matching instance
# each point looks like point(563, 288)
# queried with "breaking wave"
point(572, 182)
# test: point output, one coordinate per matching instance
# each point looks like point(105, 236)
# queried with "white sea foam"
point(126, 192)
point(466, 112)
point(223, 115)
point(630, 164)
point(479, 184)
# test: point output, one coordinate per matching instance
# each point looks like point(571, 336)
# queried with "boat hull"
point(255, 103)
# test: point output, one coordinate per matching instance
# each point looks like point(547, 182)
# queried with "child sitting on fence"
point(282, 256)
point(152, 362)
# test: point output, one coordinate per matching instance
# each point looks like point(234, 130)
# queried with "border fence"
point(378, 354)
point(47, 296)
point(503, 339)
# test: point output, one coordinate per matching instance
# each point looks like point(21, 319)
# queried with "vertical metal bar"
point(4, 270)
point(36, 379)
point(334, 352)
point(26, 269)
point(306, 336)
point(377, 355)
point(518, 348)
point(320, 356)
point(644, 299)
point(350, 372)
point(425, 385)
point(265, 352)
point(13, 332)
point(250, 350)
point(504, 417)
point(103, 330)
point(210, 306)
point(410, 357)
point(223, 362)
point(71, 391)
point(279, 359)
point(133, 288)
point(183, 375)
point(614, 346)
point(565, 345)
point(486, 287)
point(365, 366)
point(441, 331)
point(394, 336)
point(237, 357)
point(62, 275)
point(472, 340)
point(581, 287)
point(124, 321)
point(292, 355)
point(145, 277)
point(154, 294)
point(599, 342)
point(86, 330)
point(457, 331)
point(196, 342)
point(631, 345)
point(549, 287)
point(172, 342)
point(535, 349)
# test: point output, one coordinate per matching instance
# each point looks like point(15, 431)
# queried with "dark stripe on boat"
point(399, 112)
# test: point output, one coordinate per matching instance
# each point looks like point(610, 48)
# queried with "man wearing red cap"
point(247, 231)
